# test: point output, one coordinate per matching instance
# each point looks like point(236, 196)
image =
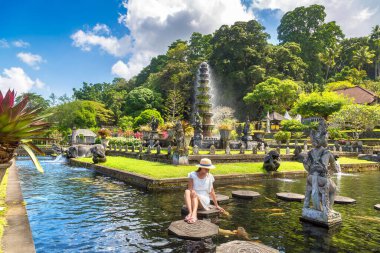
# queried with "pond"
point(77, 210)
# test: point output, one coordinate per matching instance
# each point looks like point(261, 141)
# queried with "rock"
point(272, 161)
point(196, 231)
point(221, 199)
point(343, 200)
point(244, 246)
point(245, 194)
point(213, 212)
point(289, 196)
point(377, 207)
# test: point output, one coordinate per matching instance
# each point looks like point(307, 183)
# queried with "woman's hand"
point(220, 208)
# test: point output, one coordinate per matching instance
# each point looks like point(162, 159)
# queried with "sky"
point(54, 46)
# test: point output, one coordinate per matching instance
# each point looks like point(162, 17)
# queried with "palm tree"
point(328, 57)
point(19, 125)
point(375, 43)
point(362, 56)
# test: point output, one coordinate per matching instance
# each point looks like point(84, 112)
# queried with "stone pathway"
point(199, 230)
point(213, 212)
point(289, 196)
point(377, 207)
point(221, 199)
point(343, 200)
point(245, 194)
point(244, 246)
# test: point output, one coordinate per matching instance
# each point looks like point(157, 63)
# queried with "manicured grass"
point(3, 191)
point(161, 170)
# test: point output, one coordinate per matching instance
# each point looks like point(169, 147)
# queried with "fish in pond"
point(270, 200)
point(276, 214)
point(269, 210)
point(368, 218)
point(240, 232)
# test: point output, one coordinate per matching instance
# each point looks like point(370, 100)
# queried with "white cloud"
point(356, 17)
point(4, 43)
point(155, 24)
point(20, 43)
point(31, 59)
point(96, 37)
point(16, 79)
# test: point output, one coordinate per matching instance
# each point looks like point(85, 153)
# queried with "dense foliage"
point(248, 74)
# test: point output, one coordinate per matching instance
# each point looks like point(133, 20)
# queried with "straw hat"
point(205, 163)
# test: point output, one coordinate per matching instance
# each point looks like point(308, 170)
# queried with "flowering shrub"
point(104, 133)
point(122, 141)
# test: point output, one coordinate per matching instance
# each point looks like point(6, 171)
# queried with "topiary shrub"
point(145, 118)
point(282, 136)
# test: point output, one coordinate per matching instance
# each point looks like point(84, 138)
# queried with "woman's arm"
point(213, 196)
point(190, 186)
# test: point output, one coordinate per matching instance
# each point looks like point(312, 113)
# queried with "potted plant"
point(19, 125)
point(104, 134)
point(225, 127)
point(169, 128)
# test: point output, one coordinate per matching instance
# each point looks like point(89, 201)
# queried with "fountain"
point(203, 97)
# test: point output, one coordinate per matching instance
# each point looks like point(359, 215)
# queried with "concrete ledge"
point(152, 184)
point(17, 236)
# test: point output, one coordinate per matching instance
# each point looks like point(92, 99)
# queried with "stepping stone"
point(245, 194)
point(212, 212)
point(221, 199)
point(377, 207)
point(244, 246)
point(289, 196)
point(344, 200)
point(196, 231)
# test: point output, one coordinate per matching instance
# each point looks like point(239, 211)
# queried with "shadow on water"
point(77, 210)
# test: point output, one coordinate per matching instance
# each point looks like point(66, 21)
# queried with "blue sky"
point(54, 46)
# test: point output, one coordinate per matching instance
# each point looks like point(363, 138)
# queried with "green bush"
point(146, 116)
point(282, 136)
point(336, 134)
point(292, 126)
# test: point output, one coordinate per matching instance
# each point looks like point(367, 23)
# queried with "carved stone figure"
point(75, 151)
point(154, 124)
point(246, 131)
point(212, 150)
point(319, 163)
point(195, 150)
point(98, 154)
point(272, 161)
point(180, 156)
point(158, 148)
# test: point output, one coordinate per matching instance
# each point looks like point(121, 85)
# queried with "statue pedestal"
point(180, 160)
point(320, 218)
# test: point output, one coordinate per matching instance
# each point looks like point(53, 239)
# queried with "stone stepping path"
point(289, 196)
point(196, 231)
point(244, 246)
point(344, 200)
point(213, 212)
point(377, 207)
point(221, 199)
point(245, 194)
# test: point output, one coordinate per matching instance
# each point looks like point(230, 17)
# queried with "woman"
point(199, 190)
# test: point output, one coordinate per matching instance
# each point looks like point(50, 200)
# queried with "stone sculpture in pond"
point(320, 188)
point(272, 161)
point(96, 151)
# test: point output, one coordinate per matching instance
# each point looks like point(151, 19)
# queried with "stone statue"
point(98, 154)
point(180, 155)
point(319, 163)
point(198, 129)
point(272, 161)
point(246, 128)
point(154, 124)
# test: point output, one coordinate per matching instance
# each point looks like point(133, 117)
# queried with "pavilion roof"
point(359, 94)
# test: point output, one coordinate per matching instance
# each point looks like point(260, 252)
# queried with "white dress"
point(203, 188)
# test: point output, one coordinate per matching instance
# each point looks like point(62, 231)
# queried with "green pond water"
point(77, 210)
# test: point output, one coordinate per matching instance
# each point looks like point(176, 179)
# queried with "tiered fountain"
point(203, 104)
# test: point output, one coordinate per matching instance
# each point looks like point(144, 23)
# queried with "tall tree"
point(174, 105)
point(375, 46)
point(328, 57)
point(306, 26)
point(363, 56)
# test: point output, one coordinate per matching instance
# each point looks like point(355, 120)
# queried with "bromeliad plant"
point(19, 125)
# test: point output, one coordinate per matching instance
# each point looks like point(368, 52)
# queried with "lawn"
point(3, 190)
point(160, 170)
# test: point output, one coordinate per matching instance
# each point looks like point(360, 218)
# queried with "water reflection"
point(76, 210)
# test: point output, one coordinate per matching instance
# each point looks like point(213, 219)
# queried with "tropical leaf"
point(33, 157)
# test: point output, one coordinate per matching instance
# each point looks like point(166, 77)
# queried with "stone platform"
point(213, 212)
point(343, 200)
point(245, 194)
point(289, 196)
point(221, 199)
point(318, 218)
point(199, 230)
point(244, 246)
